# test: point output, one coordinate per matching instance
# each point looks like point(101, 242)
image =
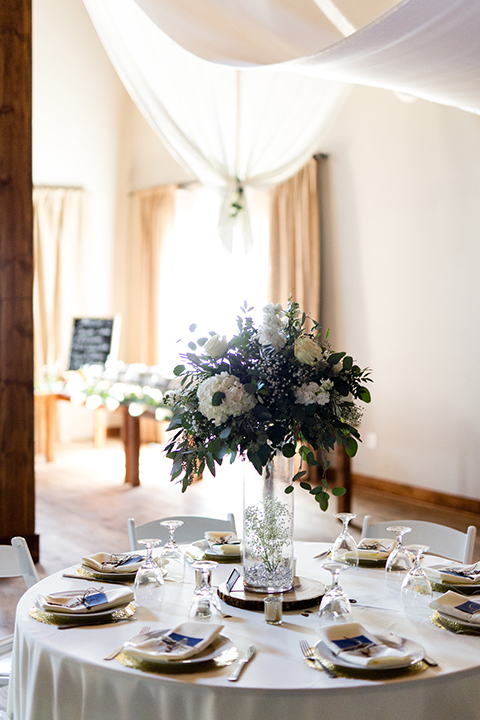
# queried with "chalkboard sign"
point(91, 341)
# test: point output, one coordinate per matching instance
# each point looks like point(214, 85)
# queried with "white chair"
point(15, 561)
point(193, 528)
point(442, 540)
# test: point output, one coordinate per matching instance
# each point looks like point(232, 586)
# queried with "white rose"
point(307, 351)
point(216, 346)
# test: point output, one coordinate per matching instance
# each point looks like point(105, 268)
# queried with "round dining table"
point(61, 674)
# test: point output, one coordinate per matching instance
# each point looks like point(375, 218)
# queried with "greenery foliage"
point(274, 388)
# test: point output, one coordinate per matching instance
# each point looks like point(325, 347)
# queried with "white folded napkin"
point(195, 636)
point(124, 564)
point(218, 538)
point(375, 548)
point(452, 573)
point(458, 606)
point(350, 640)
point(81, 602)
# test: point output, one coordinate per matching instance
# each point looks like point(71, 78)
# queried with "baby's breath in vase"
point(268, 527)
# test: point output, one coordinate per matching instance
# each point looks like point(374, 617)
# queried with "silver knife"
point(241, 663)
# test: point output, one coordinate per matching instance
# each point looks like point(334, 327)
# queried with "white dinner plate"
point(81, 617)
point(216, 648)
point(452, 618)
point(415, 650)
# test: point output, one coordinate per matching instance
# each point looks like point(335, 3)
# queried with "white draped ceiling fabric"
point(241, 90)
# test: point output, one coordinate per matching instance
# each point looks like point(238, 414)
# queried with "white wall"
point(401, 283)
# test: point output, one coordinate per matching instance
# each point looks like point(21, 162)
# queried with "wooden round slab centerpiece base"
point(305, 594)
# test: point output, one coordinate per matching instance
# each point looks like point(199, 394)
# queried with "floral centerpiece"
point(273, 389)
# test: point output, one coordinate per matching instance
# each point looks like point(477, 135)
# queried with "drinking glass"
point(344, 548)
point(205, 603)
point(335, 605)
point(172, 556)
point(416, 588)
point(149, 586)
point(399, 562)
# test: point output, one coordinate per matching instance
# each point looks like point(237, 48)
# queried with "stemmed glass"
point(335, 604)
point(399, 562)
point(172, 556)
point(205, 603)
point(149, 585)
point(344, 548)
point(416, 588)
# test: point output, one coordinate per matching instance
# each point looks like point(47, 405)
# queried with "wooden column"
point(17, 486)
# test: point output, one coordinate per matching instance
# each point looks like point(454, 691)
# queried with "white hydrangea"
point(313, 394)
point(270, 332)
point(236, 401)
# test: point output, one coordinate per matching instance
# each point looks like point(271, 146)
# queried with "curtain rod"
point(320, 156)
point(179, 185)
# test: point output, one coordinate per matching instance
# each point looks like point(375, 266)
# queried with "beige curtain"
point(295, 241)
point(152, 221)
point(60, 218)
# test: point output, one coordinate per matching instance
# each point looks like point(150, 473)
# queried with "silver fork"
point(310, 655)
point(145, 629)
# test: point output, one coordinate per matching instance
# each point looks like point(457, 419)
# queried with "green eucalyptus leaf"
point(210, 463)
point(192, 346)
point(338, 491)
point(201, 341)
point(299, 475)
point(347, 362)
point(264, 452)
point(335, 358)
point(288, 450)
point(178, 369)
point(217, 398)
point(250, 388)
point(289, 489)
point(192, 327)
point(305, 485)
point(255, 460)
point(351, 446)
point(364, 394)
point(225, 433)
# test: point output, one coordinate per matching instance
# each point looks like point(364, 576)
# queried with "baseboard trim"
point(433, 497)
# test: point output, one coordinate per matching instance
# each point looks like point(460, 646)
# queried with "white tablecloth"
point(61, 674)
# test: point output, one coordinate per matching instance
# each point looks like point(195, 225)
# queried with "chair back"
point(16, 561)
point(441, 539)
point(194, 527)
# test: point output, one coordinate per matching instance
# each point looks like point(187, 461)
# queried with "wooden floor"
point(83, 505)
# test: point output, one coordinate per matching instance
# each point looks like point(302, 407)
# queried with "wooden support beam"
point(17, 484)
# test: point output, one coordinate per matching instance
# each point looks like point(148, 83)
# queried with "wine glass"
point(344, 548)
point(335, 605)
point(399, 562)
point(205, 603)
point(172, 556)
point(416, 588)
point(149, 585)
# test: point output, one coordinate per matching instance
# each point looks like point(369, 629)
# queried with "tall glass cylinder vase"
point(268, 527)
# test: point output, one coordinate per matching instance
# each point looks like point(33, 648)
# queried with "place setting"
point(217, 546)
point(184, 648)
point(91, 606)
point(457, 613)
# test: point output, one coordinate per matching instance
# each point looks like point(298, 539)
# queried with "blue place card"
point(93, 599)
point(352, 642)
point(191, 641)
point(469, 607)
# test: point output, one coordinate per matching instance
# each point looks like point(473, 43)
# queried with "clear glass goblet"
point(172, 557)
point(344, 548)
point(335, 605)
point(205, 603)
point(149, 585)
point(399, 562)
point(416, 588)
